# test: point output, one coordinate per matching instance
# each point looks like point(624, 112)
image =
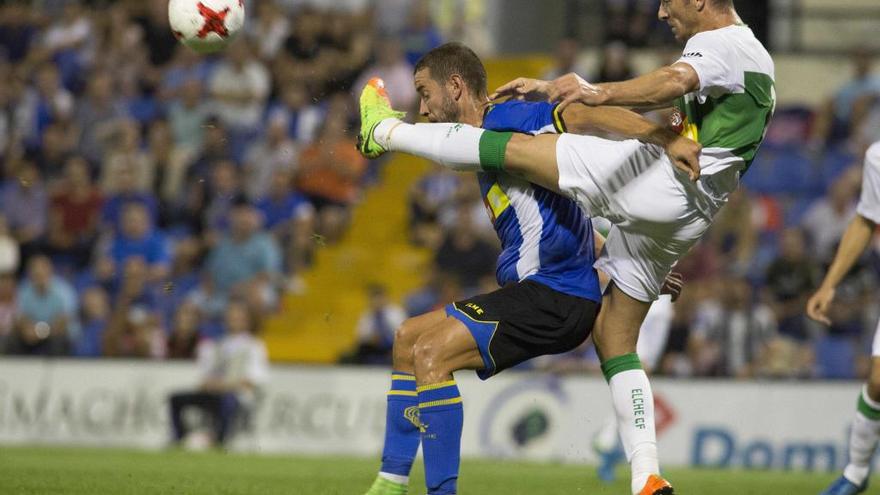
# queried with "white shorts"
point(658, 214)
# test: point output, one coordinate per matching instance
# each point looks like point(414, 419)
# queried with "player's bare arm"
point(853, 243)
point(683, 152)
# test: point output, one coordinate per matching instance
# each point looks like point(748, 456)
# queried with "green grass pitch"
point(32, 470)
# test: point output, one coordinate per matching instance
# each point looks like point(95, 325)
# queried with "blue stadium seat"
point(835, 357)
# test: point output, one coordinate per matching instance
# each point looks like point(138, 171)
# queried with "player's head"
point(448, 78)
point(687, 17)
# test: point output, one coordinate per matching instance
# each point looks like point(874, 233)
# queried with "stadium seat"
point(835, 357)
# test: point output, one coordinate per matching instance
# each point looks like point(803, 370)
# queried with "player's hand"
point(817, 306)
point(673, 285)
point(572, 88)
point(523, 88)
point(684, 154)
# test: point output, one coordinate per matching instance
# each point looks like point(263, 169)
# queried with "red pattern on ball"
point(215, 22)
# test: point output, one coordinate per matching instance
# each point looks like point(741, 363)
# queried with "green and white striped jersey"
point(730, 112)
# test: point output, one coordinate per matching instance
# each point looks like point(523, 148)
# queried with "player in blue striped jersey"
point(548, 302)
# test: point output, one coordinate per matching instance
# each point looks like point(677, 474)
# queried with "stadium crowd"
point(144, 187)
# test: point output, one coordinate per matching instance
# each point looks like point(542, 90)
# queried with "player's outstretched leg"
point(615, 336)
point(402, 434)
point(457, 146)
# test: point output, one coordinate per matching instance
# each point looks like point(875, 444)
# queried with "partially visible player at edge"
point(865, 431)
point(550, 295)
point(723, 92)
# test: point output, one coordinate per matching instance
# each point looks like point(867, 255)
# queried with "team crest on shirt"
point(680, 124)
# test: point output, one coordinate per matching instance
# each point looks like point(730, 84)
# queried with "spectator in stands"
point(94, 317)
point(375, 329)
point(75, 215)
point(297, 109)
point(615, 63)
point(240, 87)
point(566, 60)
point(790, 279)
point(826, 220)
point(465, 254)
point(9, 255)
point(391, 65)
point(439, 290)
point(268, 30)
point(184, 336)
point(8, 310)
point(731, 333)
point(58, 145)
point(135, 326)
point(46, 102)
point(839, 115)
point(188, 116)
point(124, 153)
point(97, 115)
point(25, 204)
point(428, 197)
point(232, 370)
point(734, 234)
point(224, 189)
point(46, 312)
point(127, 192)
point(139, 238)
point(419, 35)
point(168, 163)
point(244, 264)
point(187, 69)
point(275, 152)
point(330, 176)
point(291, 219)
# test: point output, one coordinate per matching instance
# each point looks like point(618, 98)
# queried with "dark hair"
point(455, 58)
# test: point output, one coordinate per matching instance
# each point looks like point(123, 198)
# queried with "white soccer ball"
point(206, 26)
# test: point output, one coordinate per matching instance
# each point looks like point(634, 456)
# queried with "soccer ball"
point(206, 26)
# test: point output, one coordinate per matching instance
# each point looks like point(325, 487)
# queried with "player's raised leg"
point(402, 435)
point(458, 146)
point(615, 336)
point(864, 436)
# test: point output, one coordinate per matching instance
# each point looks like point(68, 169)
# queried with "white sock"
point(456, 146)
point(862, 441)
point(396, 478)
point(634, 405)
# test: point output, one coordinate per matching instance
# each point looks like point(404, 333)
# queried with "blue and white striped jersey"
point(544, 237)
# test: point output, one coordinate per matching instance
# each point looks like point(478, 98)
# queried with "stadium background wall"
point(521, 416)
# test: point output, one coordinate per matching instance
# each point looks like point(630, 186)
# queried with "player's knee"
point(404, 340)
point(430, 364)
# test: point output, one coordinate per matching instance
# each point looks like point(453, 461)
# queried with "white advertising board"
point(318, 410)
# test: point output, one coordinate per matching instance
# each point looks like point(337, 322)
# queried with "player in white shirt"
point(722, 91)
point(865, 431)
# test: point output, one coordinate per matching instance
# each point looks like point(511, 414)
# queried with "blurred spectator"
point(138, 238)
point(244, 263)
point(734, 235)
point(225, 188)
point(302, 117)
point(16, 31)
point(631, 21)
point(9, 255)
point(375, 329)
point(188, 116)
point(395, 70)
point(71, 42)
point(135, 326)
point(465, 255)
point(153, 18)
point(240, 87)
point(330, 176)
point(47, 101)
point(615, 64)
point(59, 144)
point(25, 204)
point(276, 152)
point(46, 312)
point(432, 194)
point(268, 30)
point(566, 60)
point(826, 220)
point(790, 279)
point(291, 218)
point(8, 310)
point(124, 155)
point(731, 334)
point(97, 115)
point(94, 316)
point(126, 191)
point(232, 371)
point(419, 35)
point(838, 116)
point(75, 215)
point(439, 290)
point(183, 339)
point(168, 163)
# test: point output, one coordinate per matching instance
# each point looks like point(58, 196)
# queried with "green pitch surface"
point(120, 472)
